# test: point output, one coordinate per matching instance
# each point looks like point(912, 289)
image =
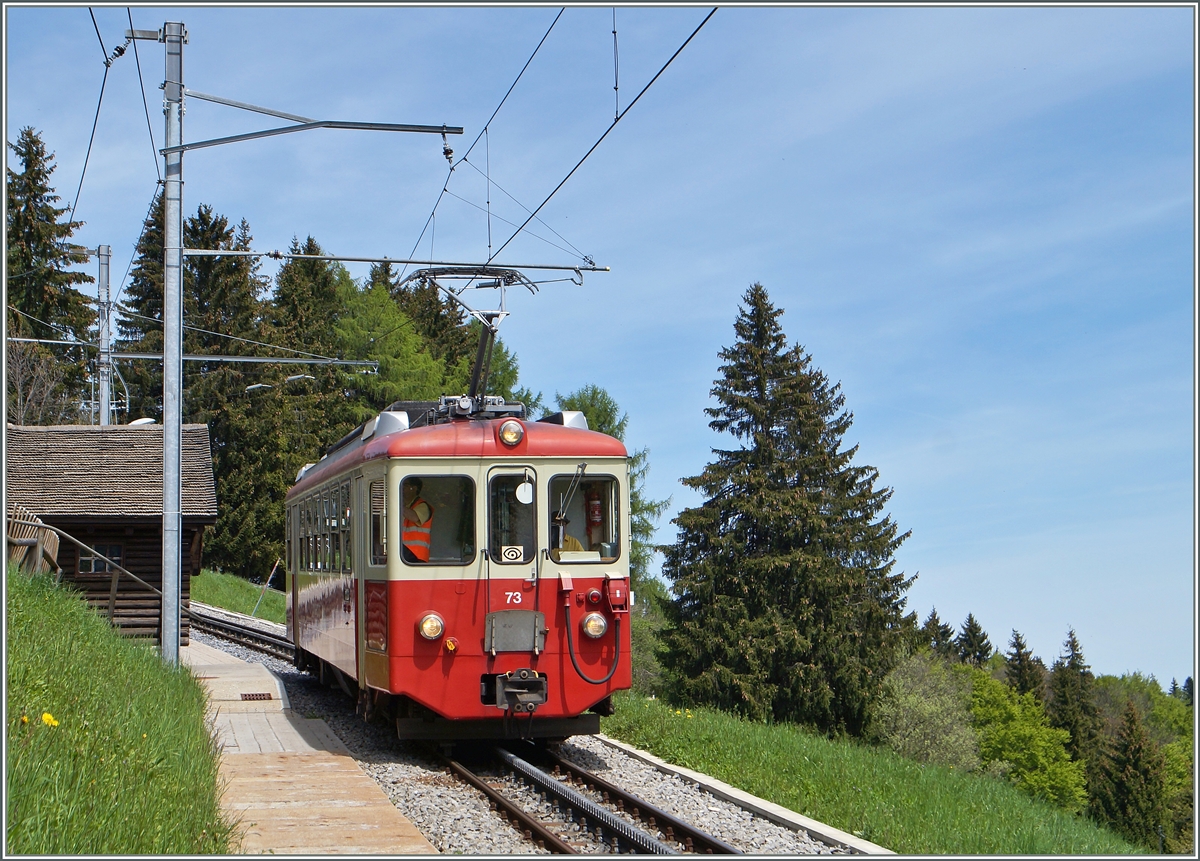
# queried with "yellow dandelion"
point(678, 712)
point(24, 718)
point(143, 735)
point(689, 717)
point(48, 719)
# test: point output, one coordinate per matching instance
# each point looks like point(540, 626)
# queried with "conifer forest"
point(780, 598)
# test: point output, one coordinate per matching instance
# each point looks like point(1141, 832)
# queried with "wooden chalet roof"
point(104, 471)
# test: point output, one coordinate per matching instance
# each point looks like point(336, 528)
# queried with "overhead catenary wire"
point(612, 126)
point(95, 121)
point(509, 195)
point(616, 67)
point(145, 104)
point(54, 326)
point(131, 313)
point(450, 173)
point(509, 223)
point(136, 243)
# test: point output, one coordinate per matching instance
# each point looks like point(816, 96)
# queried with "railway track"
point(257, 634)
point(555, 804)
point(566, 809)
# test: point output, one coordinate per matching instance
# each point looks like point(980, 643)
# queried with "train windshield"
point(513, 538)
point(438, 526)
point(584, 519)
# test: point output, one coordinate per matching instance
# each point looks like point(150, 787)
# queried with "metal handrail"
point(98, 555)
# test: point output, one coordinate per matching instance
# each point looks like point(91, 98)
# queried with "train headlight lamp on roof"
point(511, 432)
point(595, 625)
point(431, 626)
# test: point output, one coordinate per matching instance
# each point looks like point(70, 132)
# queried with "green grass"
point(238, 594)
point(108, 752)
point(870, 792)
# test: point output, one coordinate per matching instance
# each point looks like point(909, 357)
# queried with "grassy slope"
point(866, 791)
point(118, 772)
point(238, 594)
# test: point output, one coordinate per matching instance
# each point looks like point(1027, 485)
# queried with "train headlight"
point(595, 625)
point(431, 626)
point(511, 432)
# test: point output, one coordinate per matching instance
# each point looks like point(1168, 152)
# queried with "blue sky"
point(979, 220)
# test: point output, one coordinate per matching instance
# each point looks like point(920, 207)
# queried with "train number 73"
point(512, 597)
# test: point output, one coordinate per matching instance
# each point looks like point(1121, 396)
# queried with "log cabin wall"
point(136, 609)
point(103, 486)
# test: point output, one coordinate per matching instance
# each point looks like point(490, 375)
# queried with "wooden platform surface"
point(289, 780)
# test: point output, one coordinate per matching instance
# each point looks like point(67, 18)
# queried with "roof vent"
point(388, 421)
point(567, 418)
point(137, 422)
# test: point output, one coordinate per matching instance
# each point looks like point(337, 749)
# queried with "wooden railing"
point(31, 544)
point(117, 570)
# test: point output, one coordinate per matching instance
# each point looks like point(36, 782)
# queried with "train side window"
point(513, 525)
point(378, 494)
point(438, 520)
point(585, 520)
point(344, 527)
point(288, 544)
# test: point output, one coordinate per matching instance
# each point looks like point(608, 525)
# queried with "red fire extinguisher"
point(595, 511)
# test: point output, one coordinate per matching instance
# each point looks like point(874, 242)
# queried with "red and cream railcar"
point(466, 571)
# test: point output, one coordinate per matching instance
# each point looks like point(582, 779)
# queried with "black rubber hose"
point(616, 650)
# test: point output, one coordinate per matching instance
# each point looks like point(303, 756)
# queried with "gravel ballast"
point(456, 819)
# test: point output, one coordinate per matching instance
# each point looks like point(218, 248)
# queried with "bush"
point(1016, 739)
point(924, 715)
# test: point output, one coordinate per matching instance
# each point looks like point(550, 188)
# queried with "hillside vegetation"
point(867, 791)
point(231, 592)
point(96, 763)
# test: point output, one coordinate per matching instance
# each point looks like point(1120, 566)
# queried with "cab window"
point(437, 520)
point(585, 519)
point(512, 529)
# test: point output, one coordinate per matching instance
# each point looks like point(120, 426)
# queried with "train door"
point(511, 558)
point(369, 539)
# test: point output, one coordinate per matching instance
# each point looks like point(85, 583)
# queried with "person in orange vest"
point(418, 523)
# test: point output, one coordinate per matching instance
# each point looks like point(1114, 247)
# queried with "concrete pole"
point(175, 36)
point(105, 254)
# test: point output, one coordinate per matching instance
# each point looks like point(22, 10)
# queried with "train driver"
point(418, 523)
point(559, 537)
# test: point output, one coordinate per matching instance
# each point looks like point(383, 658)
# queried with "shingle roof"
point(104, 471)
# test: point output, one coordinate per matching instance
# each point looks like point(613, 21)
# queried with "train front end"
point(490, 574)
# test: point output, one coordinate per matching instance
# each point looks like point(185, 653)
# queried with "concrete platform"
point(288, 779)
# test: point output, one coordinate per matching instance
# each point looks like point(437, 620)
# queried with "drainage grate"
point(256, 697)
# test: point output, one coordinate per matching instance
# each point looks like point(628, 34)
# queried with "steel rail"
point(675, 828)
point(244, 634)
point(619, 828)
point(546, 838)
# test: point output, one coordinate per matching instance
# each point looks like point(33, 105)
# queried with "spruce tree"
point(1024, 673)
point(304, 313)
point(439, 320)
point(938, 635)
point(786, 607)
point(972, 642)
point(1072, 704)
point(223, 307)
point(1129, 792)
point(141, 331)
point(38, 257)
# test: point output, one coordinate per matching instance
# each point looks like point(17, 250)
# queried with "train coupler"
point(520, 690)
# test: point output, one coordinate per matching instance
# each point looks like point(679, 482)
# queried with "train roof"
point(467, 438)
